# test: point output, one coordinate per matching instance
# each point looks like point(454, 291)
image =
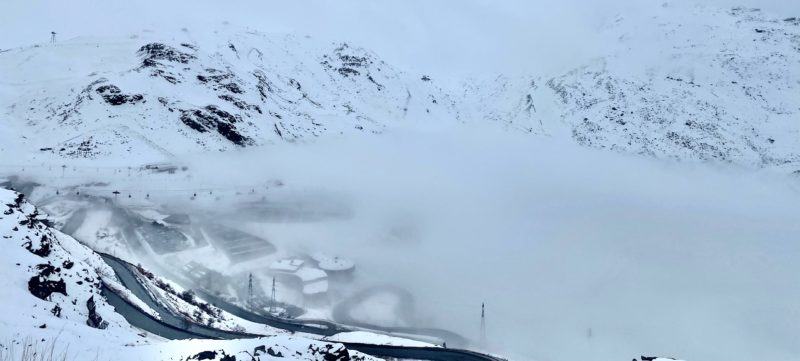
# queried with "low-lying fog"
point(578, 253)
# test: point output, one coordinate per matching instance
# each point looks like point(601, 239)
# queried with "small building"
point(287, 265)
point(203, 277)
point(337, 268)
point(310, 280)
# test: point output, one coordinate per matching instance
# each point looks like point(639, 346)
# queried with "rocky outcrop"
point(113, 95)
point(44, 283)
point(55, 273)
point(213, 119)
point(154, 53)
point(94, 319)
point(330, 352)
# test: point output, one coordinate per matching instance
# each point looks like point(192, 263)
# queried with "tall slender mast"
point(483, 323)
point(272, 304)
point(250, 291)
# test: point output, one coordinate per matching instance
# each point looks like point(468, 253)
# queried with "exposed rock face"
point(43, 249)
point(94, 319)
point(249, 89)
point(58, 271)
point(157, 56)
point(204, 355)
point(351, 62)
point(221, 80)
point(728, 98)
point(213, 356)
point(330, 352)
point(212, 118)
point(264, 350)
point(152, 54)
point(43, 285)
point(274, 353)
point(316, 351)
point(113, 95)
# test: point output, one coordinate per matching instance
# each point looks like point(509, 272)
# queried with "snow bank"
point(376, 339)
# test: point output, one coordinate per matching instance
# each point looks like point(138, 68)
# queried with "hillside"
point(52, 304)
point(151, 98)
point(730, 95)
point(699, 85)
point(51, 285)
point(638, 199)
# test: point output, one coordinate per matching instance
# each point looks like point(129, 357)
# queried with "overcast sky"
point(457, 36)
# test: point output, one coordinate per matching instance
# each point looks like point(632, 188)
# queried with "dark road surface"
point(128, 279)
point(341, 313)
point(176, 328)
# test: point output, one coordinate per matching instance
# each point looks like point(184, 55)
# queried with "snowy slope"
point(696, 84)
point(280, 347)
point(49, 283)
point(689, 83)
point(151, 97)
point(51, 301)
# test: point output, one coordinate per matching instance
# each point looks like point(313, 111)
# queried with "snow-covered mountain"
point(700, 85)
point(693, 84)
point(687, 84)
point(151, 98)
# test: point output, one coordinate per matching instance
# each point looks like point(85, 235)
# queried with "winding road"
point(171, 326)
point(174, 327)
point(129, 280)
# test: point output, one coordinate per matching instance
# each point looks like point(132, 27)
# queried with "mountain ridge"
point(730, 96)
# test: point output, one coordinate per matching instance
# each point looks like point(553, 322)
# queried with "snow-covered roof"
point(308, 273)
point(315, 287)
point(332, 263)
point(287, 265)
point(195, 269)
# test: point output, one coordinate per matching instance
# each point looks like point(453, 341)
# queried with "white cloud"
point(452, 36)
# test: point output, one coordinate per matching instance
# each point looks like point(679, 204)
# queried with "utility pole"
point(483, 323)
point(272, 304)
point(53, 37)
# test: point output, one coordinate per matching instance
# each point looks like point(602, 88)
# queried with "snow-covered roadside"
point(51, 300)
point(267, 348)
point(184, 302)
point(51, 285)
point(376, 339)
